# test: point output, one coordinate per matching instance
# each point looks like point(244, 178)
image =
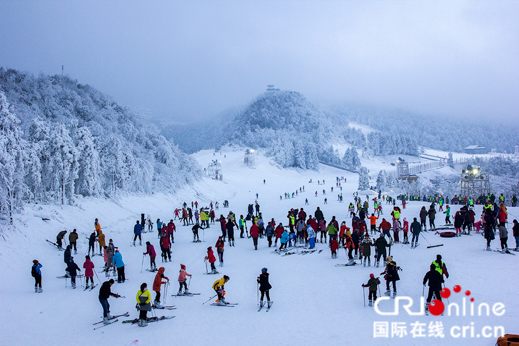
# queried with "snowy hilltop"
point(60, 139)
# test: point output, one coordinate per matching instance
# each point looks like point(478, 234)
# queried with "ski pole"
point(206, 270)
point(99, 280)
point(142, 263)
point(257, 294)
point(189, 283)
point(210, 299)
point(425, 239)
point(364, 295)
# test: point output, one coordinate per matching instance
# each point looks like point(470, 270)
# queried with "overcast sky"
point(190, 59)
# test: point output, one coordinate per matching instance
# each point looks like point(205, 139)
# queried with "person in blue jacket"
point(137, 230)
point(311, 236)
point(284, 239)
point(36, 273)
point(270, 233)
point(119, 264)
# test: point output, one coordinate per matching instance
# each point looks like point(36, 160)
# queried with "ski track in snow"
point(316, 302)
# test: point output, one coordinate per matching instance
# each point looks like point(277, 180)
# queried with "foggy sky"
point(188, 60)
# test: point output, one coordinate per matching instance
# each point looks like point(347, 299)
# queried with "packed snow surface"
point(315, 301)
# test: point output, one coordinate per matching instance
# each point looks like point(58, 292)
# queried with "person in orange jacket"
point(373, 222)
point(157, 285)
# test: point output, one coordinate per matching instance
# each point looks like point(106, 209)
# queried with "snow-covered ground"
point(315, 301)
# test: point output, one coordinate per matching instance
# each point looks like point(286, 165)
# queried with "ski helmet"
point(371, 275)
point(264, 270)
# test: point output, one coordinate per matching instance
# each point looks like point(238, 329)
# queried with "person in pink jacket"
point(89, 271)
point(150, 250)
point(182, 280)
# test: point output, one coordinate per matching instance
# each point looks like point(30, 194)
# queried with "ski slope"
point(315, 301)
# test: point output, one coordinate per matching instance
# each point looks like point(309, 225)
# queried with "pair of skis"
point(228, 305)
point(268, 307)
point(150, 319)
point(346, 264)
point(90, 288)
point(185, 295)
point(110, 321)
point(504, 252)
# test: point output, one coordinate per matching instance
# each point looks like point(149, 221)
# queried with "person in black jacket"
point(72, 269)
point(391, 275)
point(435, 283)
point(264, 287)
point(104, 293)
point(516, 234)
point(59, 238)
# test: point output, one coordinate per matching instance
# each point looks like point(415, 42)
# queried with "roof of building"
point(475, 147)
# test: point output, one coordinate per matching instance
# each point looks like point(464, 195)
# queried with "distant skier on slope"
point(264, 287)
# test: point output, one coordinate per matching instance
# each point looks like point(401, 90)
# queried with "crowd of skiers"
point(300, 230)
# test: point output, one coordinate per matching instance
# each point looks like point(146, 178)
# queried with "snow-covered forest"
point(437, 132)
point(60, 139)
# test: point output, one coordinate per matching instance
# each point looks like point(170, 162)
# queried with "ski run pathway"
point(317, 303)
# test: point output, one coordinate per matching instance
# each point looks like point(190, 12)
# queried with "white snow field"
point(316, 303)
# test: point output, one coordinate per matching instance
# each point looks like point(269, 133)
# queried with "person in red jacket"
point(406, 229)
point(165, 246)
point(210, 257)
point(171, 230)
point(334, 245)
point(279, 233)
point(342, 232)
point(385, 226)
point(254, 232)
point(150, 250)
point(219, 249)
point(502, 215)
point(157, 285)
point(89, 271)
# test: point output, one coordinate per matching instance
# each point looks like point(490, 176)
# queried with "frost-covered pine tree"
point(64, 163)
point(450, 160)
point(347, 158)
point(88, 182)
point(381, 180)
point(12, 167)
point(363, 179)
point(355, 161)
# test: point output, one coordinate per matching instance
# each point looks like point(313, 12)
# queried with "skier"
point(366, 249)
point(210, 257)
point(137, 230)
point(104, 293)
point(230, 230)
point(119, 264)
point(432, 215)
point(36, 274)
point(373, 223)
point(458, 222)
point(334, 245)
point(311, 236)
point(391, 275)
point(254, 232)
point(242, 225)
point(396, 229)
point(516, 234)
point(264, 287)
point(101, 241)
point(373, 285)
point(150, 250)
point(350, 246)
point(279, 232)
point(59, 238)
point(157, 285)
point(97, 226)
point(72, 269)
point(89, 271)
point(67, 255)
point(182, 280)
point(440, 267)
point(423, 218)
point(284, 240)
point(385, 226)
point(195, 229)
point(91, 243)
point(503, 236)
point(219, 249)
point(109, 254)
point(381, 244)
point(447, 213)
point(143, 300)
point(72, 238)
point(435, 282)
point(218, 287)
point(165, 246)
point(489, 224)
point(415, 229)
point(405, 229)
point(269, 231)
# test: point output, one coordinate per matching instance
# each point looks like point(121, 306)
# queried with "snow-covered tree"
point(89, 176)
point(381, 180)
point(363, 179)
point(12, 166)
point(450, 161)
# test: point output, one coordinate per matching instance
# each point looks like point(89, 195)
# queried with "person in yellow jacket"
point(97, 226)
point(204, 217)
point(143, 304)
point(101, 240)
point(218, 286)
